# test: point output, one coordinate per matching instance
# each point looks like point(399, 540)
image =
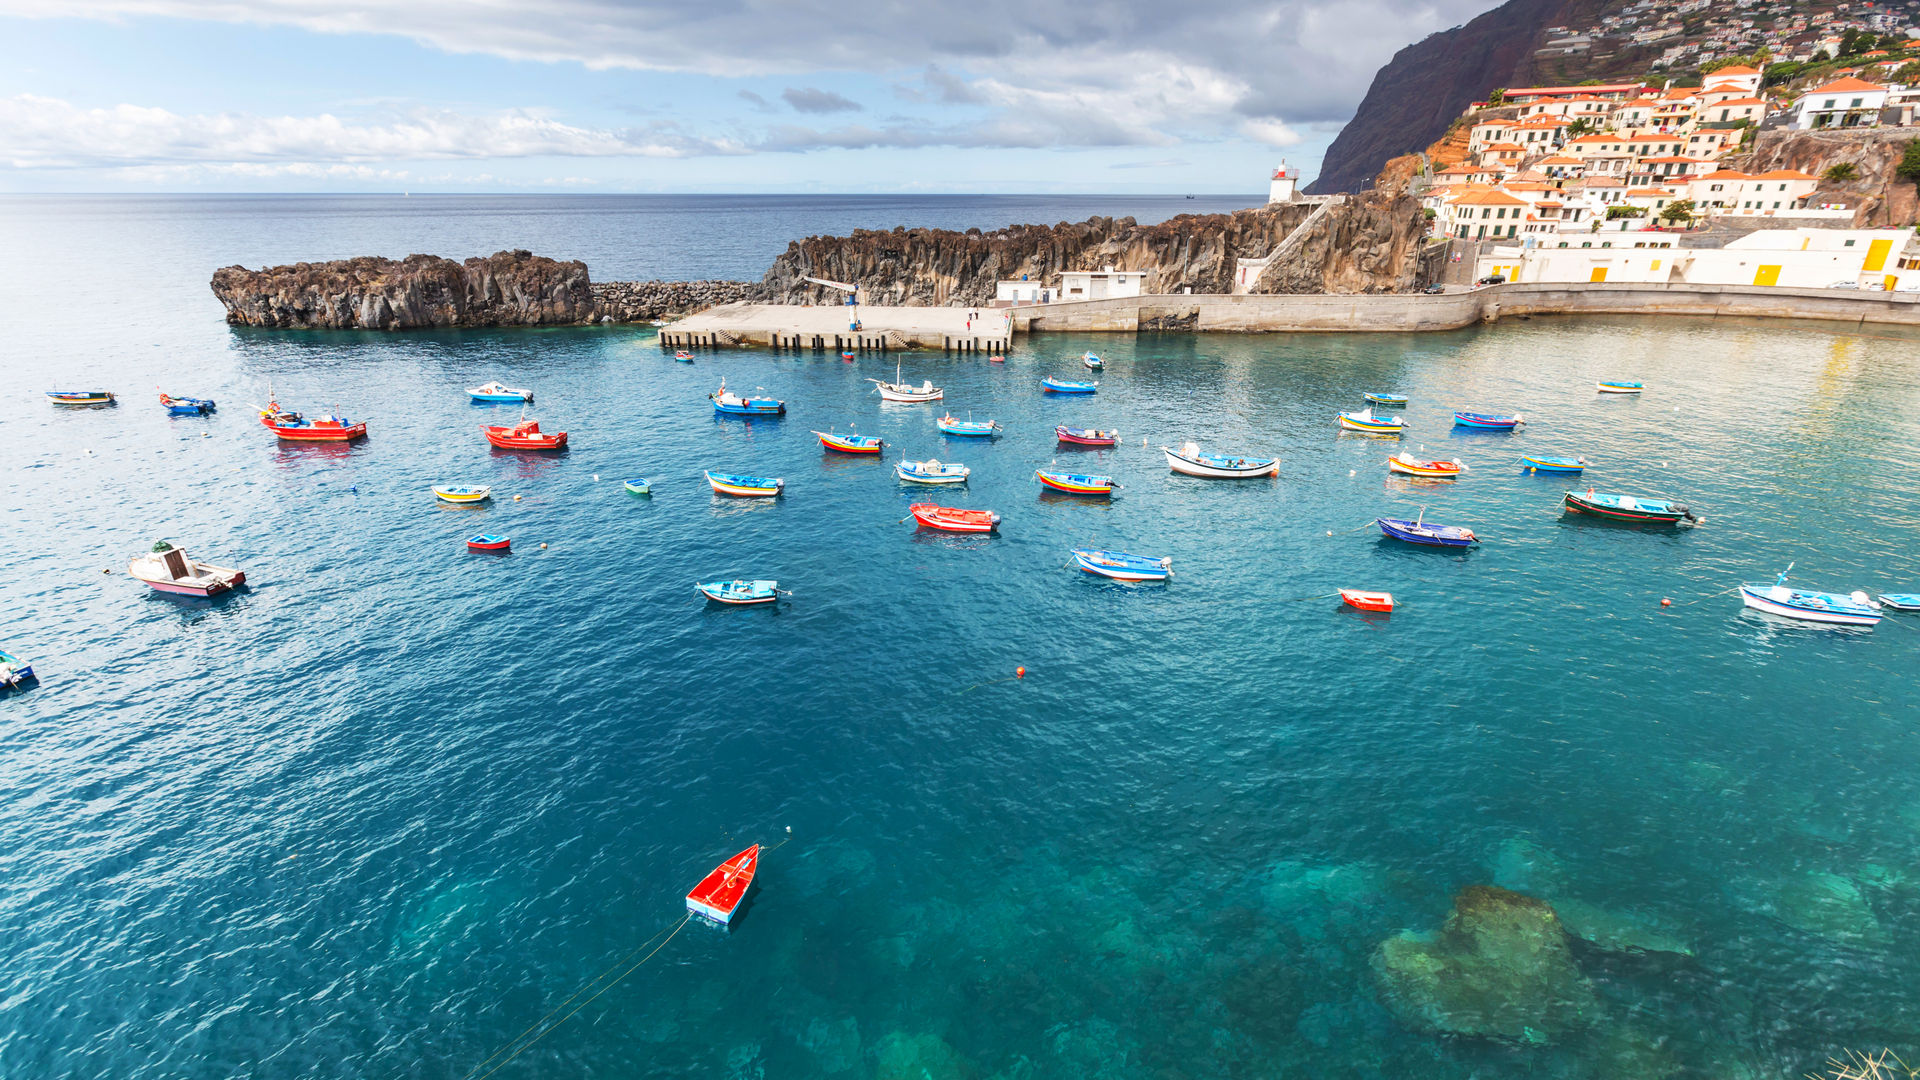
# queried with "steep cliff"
point(1369, 244)
point(1880, 197)
point(510, 288)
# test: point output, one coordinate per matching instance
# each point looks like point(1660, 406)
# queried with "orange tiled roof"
point(1845, 86)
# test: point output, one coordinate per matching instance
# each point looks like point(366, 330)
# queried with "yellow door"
point(1599, 274)
point(1889, 283)
point(1877, 255)
point(1767, 275)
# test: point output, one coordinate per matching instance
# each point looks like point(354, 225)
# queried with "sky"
point(692, 96)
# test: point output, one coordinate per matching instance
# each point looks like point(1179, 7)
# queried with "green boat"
point(638, 486)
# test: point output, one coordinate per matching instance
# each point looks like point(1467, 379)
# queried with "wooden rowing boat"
point(1191, 462)
point(719, 894)
point(1413, 466)
point(953, 519)
point(1077, 483)
point(744, 486)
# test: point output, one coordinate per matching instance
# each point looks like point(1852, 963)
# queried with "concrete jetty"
point(790, 326)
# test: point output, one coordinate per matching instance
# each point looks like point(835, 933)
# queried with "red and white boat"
point(167, 569)
point(1086, 436)
point(950, 519)
point(720, 893)
point(293, 427)
point(1368, 601)
point(525, 435)
point(1413, 466)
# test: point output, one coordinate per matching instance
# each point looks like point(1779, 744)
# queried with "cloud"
point(1269, 131)
point(759, 103)
point(807, 99)
point(1163, 163)
point(42, 132)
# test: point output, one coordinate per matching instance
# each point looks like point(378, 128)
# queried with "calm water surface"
point(388, 807)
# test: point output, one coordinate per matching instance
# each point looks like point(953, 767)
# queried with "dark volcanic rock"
point(1369, 244)
point(510, 288)
point(642, 301)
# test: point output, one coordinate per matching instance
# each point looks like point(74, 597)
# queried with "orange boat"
point(1368, 601)
point(954, 520)
point(1413, 466)
point(525, 435)
point(720, 892)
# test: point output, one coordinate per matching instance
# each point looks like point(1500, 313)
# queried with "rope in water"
point(548, 1030)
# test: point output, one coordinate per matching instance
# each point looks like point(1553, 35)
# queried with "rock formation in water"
point(1499, 968)
point(510, 288)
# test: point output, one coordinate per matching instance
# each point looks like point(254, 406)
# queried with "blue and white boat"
point(743, 486)
point(1484, 422)
point(1391, 401)
point(1371, 422)
point(932, 472)
point(973, 429)
point(494, 391)
point(739, 591)
point(639, 486)
point(1845, 609)
point(1093, 363)
point(1189, 461)
point(186, 406)
point(1563, 465)
point(1067, 386)
point(1418, 531)
point(13, 670)
point(1611, 386)
point(1900, 601)
point(732, 404)
point(1122, 566)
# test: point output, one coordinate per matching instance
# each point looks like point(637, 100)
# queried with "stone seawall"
point(1450, 311)
point(644, 301)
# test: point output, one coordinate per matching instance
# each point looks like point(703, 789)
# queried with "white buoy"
point(596, 476)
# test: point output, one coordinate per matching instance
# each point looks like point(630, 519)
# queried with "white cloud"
point(1270, 132)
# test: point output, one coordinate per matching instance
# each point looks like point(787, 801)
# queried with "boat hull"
point(461, 496)
point(1435, 470)
point(1486, 423)
point(490, 543)
point(1367, 601)
point(746, 409)
point(1901, 601)
point(1085, 437)
point(1391, 401)
point(1122, 566)
point(226, 581)
point(747, 487)
point(639, 487)
point(729, 592)
point(947, 519)
point(556, 441)
point(968, 429)
point(1074, 484)
point(1052, 386)
point(1371, 427)
point(719, 894)
point(1429, 535)
point(1636, 515)
point(79, 397)
point(1762, 598)
point(1253, 469)
point(913, 477)
point(1619, 388)
point(855, 445)
point(907, 395)
point(1559, 466)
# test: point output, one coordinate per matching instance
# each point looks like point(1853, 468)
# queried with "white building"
point(1793, 258)
point(1024, 291)
point(1847, 102)
point(1100, 284)
point(1281, 189)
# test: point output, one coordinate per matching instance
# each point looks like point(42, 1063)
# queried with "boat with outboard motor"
point(851, 443)
point(525, 435)
point(294, 427)
point(497, 391)
point(1122, 566)
point(14, 671)
point(1086, 436)
point(1418, 531)
point(932, 472)
point(1092, 362)
point(167, 569)
point(1628, 508)
point(1191, 462)
point(1077, 483)
point(739, 591)
point(1366, 421)
point(732, 404)
point(972, 429)
point(743, 486)
point(1413, 466)
point(1844, 609)
point(954, 519)
point(186, 406)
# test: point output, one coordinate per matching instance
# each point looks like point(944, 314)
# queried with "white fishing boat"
point(1189, 460)
point(931, 472)
point(167, 569)
point(1846, 609)
point(899, 391)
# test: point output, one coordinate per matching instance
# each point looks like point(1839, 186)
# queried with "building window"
point(1847, 244)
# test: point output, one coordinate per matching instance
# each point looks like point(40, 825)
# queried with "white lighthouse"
point(1281, 189)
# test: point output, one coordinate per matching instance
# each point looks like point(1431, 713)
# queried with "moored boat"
point(1413, 466)
point(13, 670)
point(902, 392)
point(746, 486)
point(1561, 465)
point(525, 435)
point(1845, 609)
point(293, 427)
point(851, 443)
point(639, 486)
point(1627, 508)
point(1614, 387)
point(495, 391)
point(1901, 601)
point(953, 519)
point(719, 894)
point(1092, 362)
point(1366, 421)
point(1077, 483)
point(972, 429)
point(1367, 601)
point(1190, 461)
point(1054, 385)
point(1484, 422)
point(1418, 531)
point(462, 493)
point(726, 401)
point(186, 406)
point(1123, 566)
point(1086, 436)
point(683, 356)
point(931, 472)
point(489, 542)
point(167, 569)
point(1391, 401)
point(80, 397)
point(740, 591)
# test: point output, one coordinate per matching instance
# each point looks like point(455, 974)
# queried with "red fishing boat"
point(720, 892)
point(1368, 601)
point(525, 435)
point(1086, 436)
point(489, 542)
point(293, 427)
point(953, 520)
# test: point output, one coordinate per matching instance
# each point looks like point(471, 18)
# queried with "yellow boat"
point(463, 493)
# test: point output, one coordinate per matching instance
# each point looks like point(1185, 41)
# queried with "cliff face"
point(510, 288)
point(1369, 244)
point(1881, 198)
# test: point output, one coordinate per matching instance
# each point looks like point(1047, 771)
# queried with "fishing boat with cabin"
point(740, 591)
point(1191, 462)
point(953, 519)
point(1077, 483)
point(1412, 466)
point(489, 542)
point(1418, 531)
point(1122, 566)
point(1559, 465)
point(497, 392)
point(851, 443)
point(462, 494)
point(293, 427)
point(746, 487)
point(1614, 387)
point(525, 435)
point(1054, 385)
point(732, 404)
point(1485, 422)
point(971, 429)
point(167, 569)
point(1844, 609)
point(931, 472)
point(1086, 436)
point(186, 406)
point(718, 895)
point(903, 393)
point(1366, 421)
point(80, 397)
point(1627, 508)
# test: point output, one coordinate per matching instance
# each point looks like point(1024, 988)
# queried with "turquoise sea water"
point(388, 807)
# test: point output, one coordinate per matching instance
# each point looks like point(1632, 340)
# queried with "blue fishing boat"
point(1483, 422)
point(1093, 363)
point(1900, 601)
point(1077, 483)
point(1391, 401)
point(732, 404)
point(1570, 466)
point(1418, 531)
point(746, 487)
point(1122, 566)
point(13, 670)
point(1067, 386)
point(932, 472)
point(1609, 386)
point(740, 591)
point(1845, 609)
point(186, 406)
point(639, 486)
point(973, 429)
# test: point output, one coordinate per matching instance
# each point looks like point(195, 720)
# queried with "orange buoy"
point(1666, 602)
point(1019, 673)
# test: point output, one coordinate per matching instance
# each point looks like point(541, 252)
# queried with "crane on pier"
point(853, 297)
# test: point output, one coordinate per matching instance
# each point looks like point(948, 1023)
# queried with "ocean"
point(395, 803)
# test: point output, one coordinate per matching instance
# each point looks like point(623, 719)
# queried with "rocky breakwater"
point(643, 301)
point(510, 288)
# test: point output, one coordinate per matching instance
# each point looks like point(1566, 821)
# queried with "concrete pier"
point(785, 326)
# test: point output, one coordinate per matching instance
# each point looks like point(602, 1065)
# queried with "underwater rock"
point(1498, 968)
point(834, 1043)
point(1828, 905)
point(1626, 1052)
point(1524, 866)
point(1617, 931)
point(900, 1056)
point(743, 1063)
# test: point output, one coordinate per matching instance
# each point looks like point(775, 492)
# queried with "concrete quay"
point(788, 326)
